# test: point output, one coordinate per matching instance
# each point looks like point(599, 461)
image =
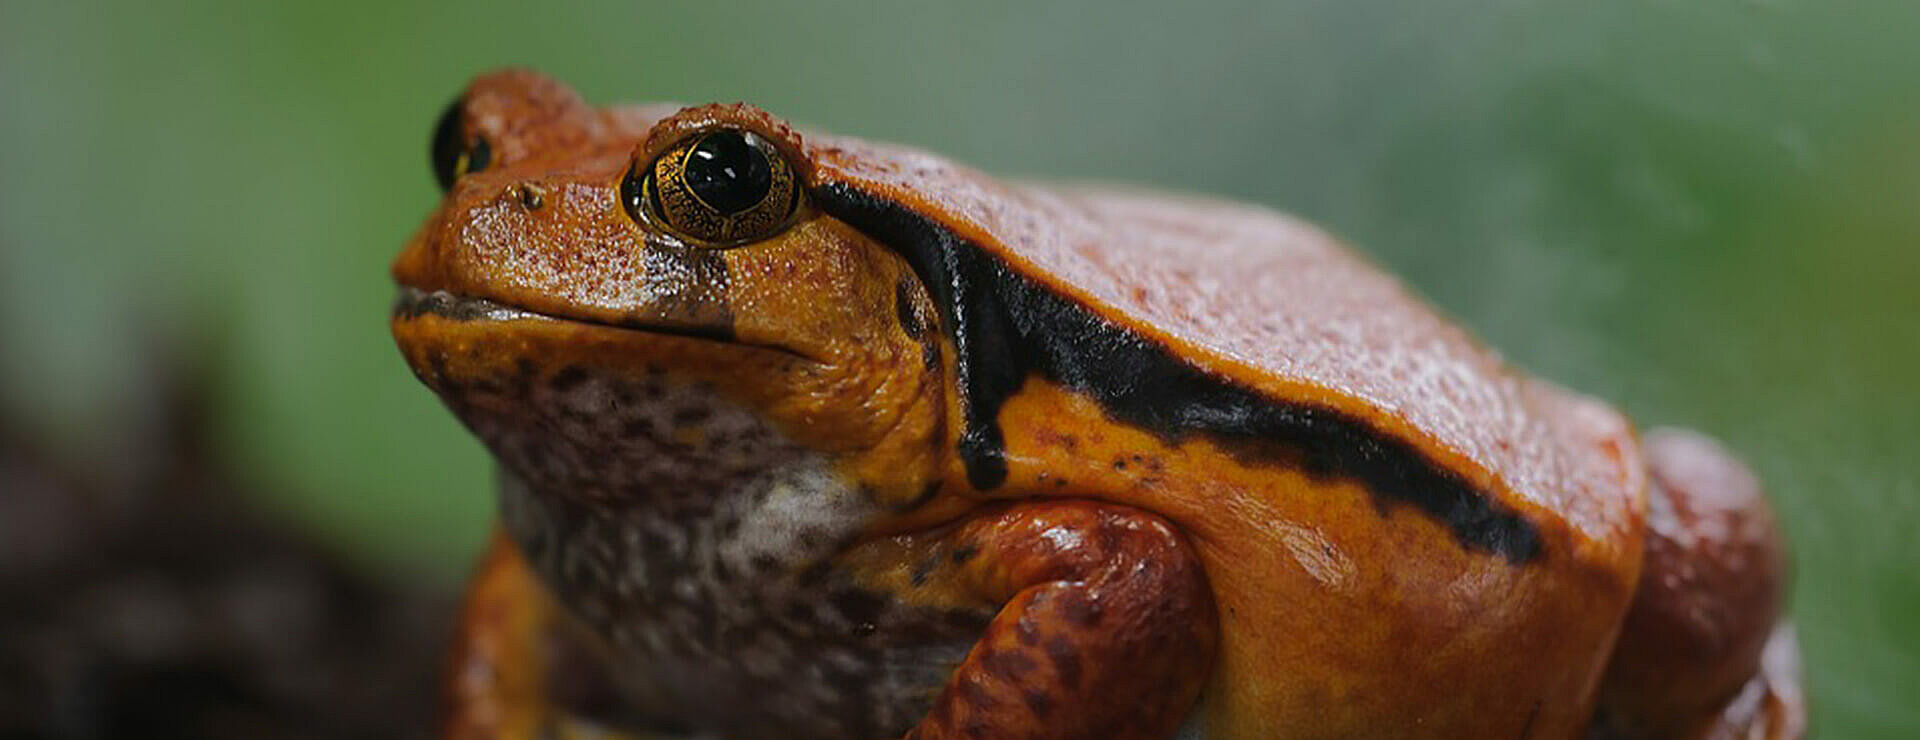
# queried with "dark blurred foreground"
point(141, 596)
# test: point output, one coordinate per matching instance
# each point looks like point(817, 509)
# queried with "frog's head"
point(659, 286)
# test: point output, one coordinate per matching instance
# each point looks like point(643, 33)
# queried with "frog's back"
point(1268, 302)
point(1279, 305)
point(1513, 581)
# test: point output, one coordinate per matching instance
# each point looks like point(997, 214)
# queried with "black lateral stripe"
point(1005, 327)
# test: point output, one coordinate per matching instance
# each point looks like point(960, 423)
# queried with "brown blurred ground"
point(142, 596)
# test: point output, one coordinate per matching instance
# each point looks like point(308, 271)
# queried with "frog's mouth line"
point(414, 302)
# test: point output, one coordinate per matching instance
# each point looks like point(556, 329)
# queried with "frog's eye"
point(716, 188)
point(454, 154)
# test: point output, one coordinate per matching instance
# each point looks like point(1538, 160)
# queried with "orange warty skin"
point(939, 456)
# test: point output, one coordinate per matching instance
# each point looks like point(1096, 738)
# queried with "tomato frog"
point(805, 436)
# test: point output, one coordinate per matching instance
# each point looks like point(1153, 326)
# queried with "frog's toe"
point(1771, 706)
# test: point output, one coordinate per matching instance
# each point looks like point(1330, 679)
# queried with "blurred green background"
point(1708, 212)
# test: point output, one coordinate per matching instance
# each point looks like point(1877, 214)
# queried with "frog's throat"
point(683, 554)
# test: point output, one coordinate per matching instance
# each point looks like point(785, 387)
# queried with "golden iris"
point(716, 188)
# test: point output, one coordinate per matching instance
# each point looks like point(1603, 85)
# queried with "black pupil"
point(728, 173)
point(450, 144)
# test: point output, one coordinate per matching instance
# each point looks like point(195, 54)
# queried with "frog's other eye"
point(454, 153)
point(716, 188)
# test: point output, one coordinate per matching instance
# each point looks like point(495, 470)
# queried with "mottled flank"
point(698, 541)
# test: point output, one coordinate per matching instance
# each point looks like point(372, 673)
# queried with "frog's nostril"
point(532, 196)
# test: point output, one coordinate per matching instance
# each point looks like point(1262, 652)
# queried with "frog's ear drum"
point(716, 176)
point(455, 152)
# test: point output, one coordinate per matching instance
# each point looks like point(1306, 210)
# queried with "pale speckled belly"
point(698, 542)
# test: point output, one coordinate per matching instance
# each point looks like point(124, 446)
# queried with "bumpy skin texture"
point(949, 457)
point(1086, 589)
point(1701, 655)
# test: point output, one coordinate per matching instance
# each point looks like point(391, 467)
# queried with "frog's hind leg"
point(1703, 653)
